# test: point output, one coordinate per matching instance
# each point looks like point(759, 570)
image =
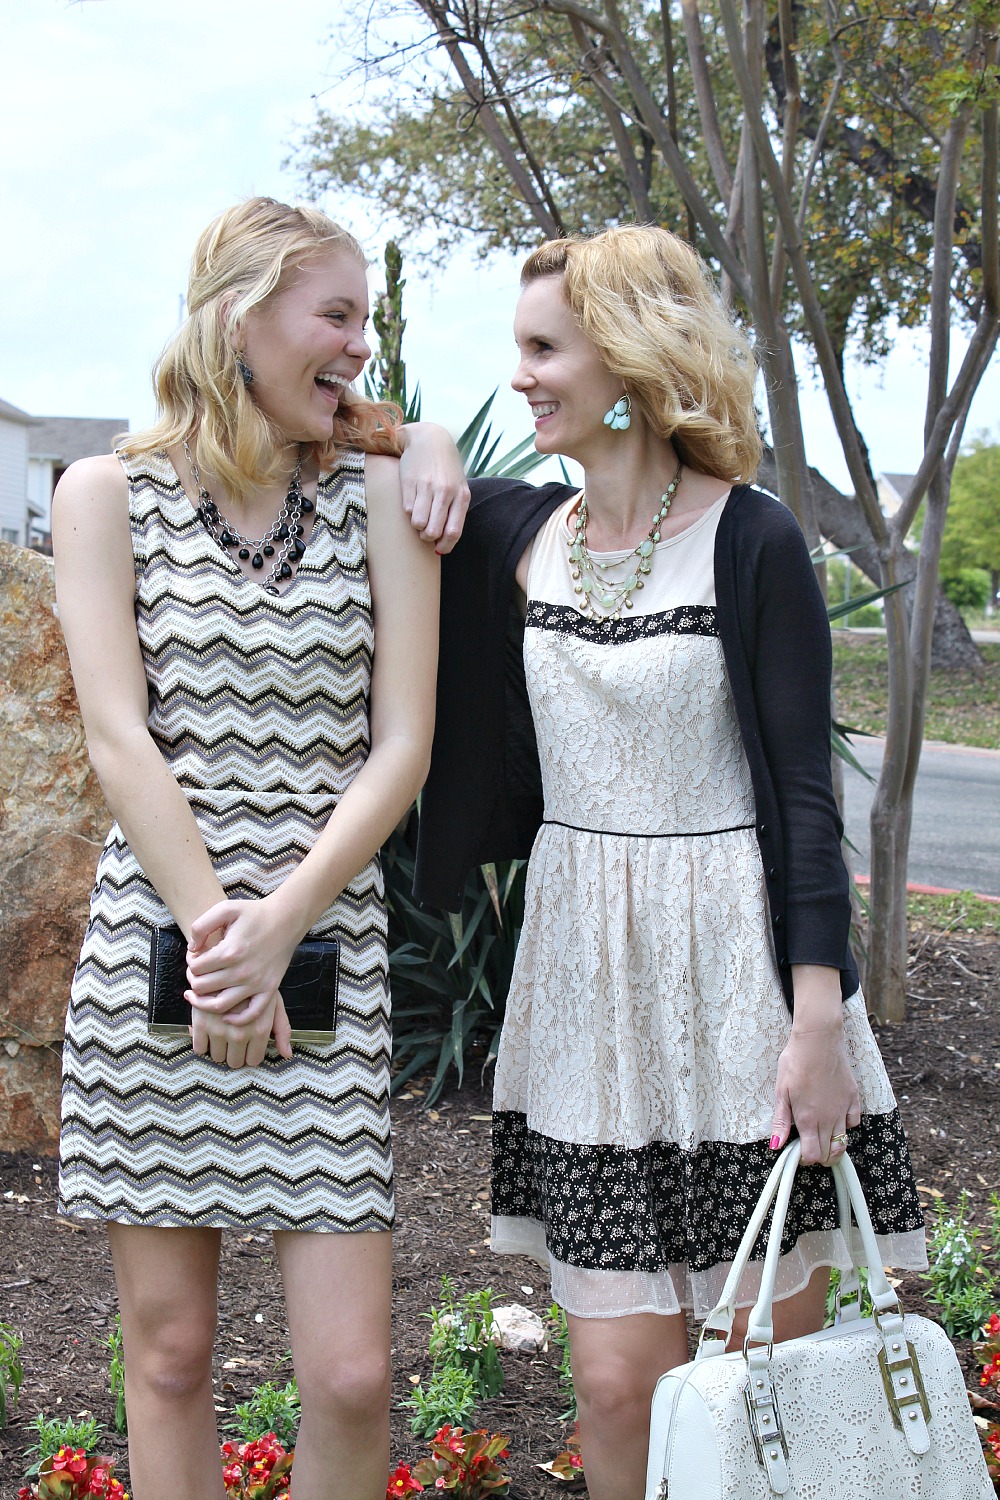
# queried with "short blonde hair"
point(650, 307)
point(244, 256)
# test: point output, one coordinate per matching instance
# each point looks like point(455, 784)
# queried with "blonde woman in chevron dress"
point(255, 751)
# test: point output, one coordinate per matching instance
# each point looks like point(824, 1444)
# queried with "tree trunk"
point(857, 912)
point(841, 522)
point(890, 847)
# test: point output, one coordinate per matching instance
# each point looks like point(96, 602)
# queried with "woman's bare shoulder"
point(92, 485)
point(381, 478)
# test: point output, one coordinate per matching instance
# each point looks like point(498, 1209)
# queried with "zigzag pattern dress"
point(259, 705)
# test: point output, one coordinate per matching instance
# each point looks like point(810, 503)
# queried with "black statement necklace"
point(282, 540)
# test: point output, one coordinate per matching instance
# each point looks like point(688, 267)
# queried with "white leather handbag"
point(870, 1409)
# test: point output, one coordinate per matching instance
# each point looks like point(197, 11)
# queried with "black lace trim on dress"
point(611, 1208)
point(687, 619)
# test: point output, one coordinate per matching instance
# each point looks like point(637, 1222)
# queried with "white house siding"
point(40, 482)
point(13, 480)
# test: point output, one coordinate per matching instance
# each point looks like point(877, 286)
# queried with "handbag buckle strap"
point(767, 1430)
point(905, 1392)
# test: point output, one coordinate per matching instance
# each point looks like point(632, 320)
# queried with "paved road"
point(956, 816)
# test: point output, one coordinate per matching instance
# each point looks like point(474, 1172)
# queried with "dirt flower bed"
point(56, 1286)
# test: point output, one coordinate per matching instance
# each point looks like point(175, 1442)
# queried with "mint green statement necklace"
point(597, 593)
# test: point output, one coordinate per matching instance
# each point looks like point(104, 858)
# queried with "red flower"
point(452, 1439)
point(402, 1482)
point(71, 1461)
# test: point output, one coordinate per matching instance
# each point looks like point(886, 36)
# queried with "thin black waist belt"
point(612, 833)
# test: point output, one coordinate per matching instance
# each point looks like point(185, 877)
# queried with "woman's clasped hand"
point(237, 958)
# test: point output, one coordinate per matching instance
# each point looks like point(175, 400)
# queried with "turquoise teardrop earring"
point(619, 418)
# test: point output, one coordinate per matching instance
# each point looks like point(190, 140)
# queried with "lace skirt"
point(635, 1082)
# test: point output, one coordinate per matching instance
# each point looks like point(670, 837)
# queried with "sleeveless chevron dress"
point(259, 705)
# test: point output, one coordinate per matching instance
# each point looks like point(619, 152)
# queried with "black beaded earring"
point(244, 369)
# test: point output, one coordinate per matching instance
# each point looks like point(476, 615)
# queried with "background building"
point(15, 425)
point(34, 451)
point(53, 444)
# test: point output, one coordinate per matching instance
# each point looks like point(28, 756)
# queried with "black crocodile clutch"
point(309, 988)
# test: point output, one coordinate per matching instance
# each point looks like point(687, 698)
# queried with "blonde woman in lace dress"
point(684, 995)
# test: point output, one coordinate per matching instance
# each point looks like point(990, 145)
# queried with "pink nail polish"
point(775, 1142)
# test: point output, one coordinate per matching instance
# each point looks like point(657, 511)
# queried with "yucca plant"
point(450, 972)
point(841, 732)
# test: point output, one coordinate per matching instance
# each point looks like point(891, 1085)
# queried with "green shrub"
point(465, 1365)
point(836, 593)
point(969, 588)
point(560, 1333)
point(463, 1335)
point(82, 1431)
point(961, 1285)
point(270, 1410)
point(116, 1376)
point(450, 1398)
point(450, 974)
point(11, 1371)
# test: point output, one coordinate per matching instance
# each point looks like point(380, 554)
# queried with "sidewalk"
point(930, 890)
point(981, 637)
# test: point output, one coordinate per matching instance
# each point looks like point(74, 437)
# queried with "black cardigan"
point(483, 801)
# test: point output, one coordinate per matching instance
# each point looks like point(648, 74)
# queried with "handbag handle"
point(901, 1374)
point(779, 1187)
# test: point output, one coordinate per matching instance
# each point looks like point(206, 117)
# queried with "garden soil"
point(56, 1284)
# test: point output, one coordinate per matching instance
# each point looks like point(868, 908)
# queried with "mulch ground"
point(57, 1287)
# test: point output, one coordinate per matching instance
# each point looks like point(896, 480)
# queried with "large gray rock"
point(52, 819)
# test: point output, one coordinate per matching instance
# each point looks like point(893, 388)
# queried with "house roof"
point(899, 482)
point(15, 414)
point(66, 439)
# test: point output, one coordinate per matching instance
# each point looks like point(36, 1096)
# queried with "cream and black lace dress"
point(635, 1081)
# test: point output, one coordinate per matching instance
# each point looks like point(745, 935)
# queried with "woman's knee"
point(171, 1359)
point(611, 1391)
point(350, 1388)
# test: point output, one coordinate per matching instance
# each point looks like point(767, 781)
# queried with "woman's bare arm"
point(246, 966)
point(95, 588)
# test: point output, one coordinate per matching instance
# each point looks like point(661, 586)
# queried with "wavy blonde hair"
point(249, 253)
point(650, 307)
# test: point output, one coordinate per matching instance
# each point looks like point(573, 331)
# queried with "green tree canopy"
point(873, 89)
point(972, 531)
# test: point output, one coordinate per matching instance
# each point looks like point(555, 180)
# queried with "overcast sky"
point(127, 124)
